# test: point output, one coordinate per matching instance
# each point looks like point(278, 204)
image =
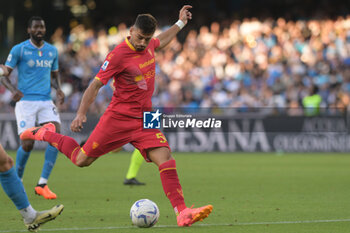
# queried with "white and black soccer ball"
point(144, 213)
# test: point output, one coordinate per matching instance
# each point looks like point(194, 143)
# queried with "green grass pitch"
point(250, 193)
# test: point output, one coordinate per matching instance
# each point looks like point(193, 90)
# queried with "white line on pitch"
point(199, 225)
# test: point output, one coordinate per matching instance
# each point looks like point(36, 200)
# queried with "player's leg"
point(50, 161)
point(154, 147)
point(82, 160)
point(134, 167)
point(100, 142)
point(168, 174)
point(65, 144)
point(25, 112)
point(51, 153)
point(14, 189)
point(112, 131)
point(23, 153)
point(167, 168)
point(21, 160)
point(47, 113)
point(13, 186)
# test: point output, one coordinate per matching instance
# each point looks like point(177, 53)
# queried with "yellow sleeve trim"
point(98, 78)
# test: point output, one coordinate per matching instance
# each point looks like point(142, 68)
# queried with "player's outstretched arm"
point(168, 35)
point(56, 83)
point(88, 98)
point(4, 73)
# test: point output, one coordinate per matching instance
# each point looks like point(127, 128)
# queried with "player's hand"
point(77, 123)
point(60, 96)
point(4, 69)
point(17, 95)
point(185, 14)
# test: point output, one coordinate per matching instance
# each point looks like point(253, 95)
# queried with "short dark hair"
point(34, 18)
point(146, 23)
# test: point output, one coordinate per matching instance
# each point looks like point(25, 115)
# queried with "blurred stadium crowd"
point(241, 64)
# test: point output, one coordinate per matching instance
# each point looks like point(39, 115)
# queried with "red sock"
point(171, 185)
point(67, 145)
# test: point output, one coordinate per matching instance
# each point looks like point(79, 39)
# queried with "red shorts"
point(115, 130)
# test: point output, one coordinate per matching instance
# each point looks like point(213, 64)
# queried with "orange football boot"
point(45, 192)
point(37, 133)
point(189, 216)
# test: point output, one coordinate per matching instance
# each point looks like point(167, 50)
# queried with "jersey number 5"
point(162, 137)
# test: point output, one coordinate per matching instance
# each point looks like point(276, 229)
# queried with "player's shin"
point(135, 164)
point(50, 160)
point(171, 185)
point(67, 145)
point(21, 161)
point(14, 189)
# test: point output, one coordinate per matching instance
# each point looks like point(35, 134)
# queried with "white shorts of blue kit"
point(32, 113)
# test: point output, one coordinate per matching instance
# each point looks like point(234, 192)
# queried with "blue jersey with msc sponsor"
point(34, 68)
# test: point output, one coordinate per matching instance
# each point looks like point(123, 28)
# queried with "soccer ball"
point(144, 213)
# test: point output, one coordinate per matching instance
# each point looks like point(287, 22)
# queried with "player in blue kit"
point(14, 189)
point(37, 64)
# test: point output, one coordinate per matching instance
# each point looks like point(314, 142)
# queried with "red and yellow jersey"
point(133, 73)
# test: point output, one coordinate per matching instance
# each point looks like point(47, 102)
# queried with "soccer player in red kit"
point(132, 66)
